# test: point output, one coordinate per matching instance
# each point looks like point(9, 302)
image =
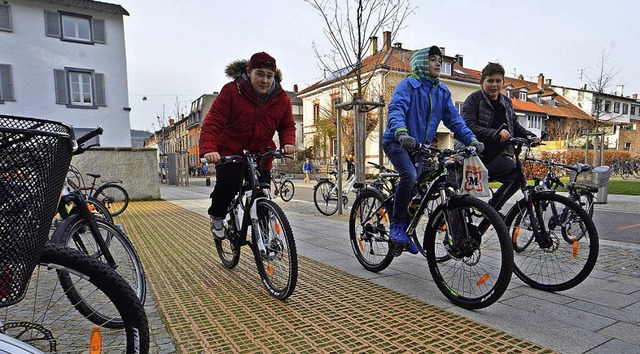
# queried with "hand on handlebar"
point(406, 141)
point(212, 157)
point(288, 149)
point(504, 135)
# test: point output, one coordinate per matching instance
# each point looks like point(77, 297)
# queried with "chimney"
point(397, 45)
point(540, 80)
point(295, 88)
point(619, 90)
point(386, 38)
point(373, 46)
point(584, 87)
point(547, 82)
point(171, 121)
point(634, 96)
point(520, 77)
point(459, 60)
point(442, 51)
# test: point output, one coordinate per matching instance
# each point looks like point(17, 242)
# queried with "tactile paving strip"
point(208, 308)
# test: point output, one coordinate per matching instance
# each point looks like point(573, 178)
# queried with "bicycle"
point(544, 259)
point(33, 307)
point(82, 230)
point(272, 241)
point(325, 194)
point(109, 193)
point(470, 266)
point(283, 185)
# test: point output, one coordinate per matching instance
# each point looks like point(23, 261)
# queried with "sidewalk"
point(601, 315)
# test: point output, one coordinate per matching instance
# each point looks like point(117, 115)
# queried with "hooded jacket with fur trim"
point(239, 119)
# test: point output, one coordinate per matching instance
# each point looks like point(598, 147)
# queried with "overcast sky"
point(181, 48)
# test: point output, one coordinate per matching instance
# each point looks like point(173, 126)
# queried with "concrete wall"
point(136, 167)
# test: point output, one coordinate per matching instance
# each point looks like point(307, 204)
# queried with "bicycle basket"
point(597, 177)
point(34, 159)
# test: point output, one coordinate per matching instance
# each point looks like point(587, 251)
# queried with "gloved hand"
point(479, 145)
point(406, 141)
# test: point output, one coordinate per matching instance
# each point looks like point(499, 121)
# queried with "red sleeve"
point(287, 126)
point(215, 122)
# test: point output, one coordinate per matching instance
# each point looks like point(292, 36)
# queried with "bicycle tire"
point(479, 274)
point(229, 248)
point(585, 200)
point(369, 225)
point(278, 265)
point(99, 210)
point(287, 190)
point(563, 265)
point(325, 198)
point(114, 197)
point(76, 235)
point(47, 320)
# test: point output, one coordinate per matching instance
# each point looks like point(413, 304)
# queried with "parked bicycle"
point(272, 241)
point(110, 193)
point(554, 239)
point(325, 194)
point(282, 185)
point(472, 268)
point(34, 308)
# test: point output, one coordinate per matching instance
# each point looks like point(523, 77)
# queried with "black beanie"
point(435, 50)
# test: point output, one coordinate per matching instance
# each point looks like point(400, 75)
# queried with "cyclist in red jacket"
point(245, 115)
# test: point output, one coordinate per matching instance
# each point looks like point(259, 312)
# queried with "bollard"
point(208, 181)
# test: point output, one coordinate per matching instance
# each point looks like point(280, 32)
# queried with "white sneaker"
point(217, 227)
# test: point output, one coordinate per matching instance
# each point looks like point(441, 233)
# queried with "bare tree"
point(350, 27)
point(600, 85)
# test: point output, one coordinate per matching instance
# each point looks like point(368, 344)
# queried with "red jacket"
point(239, 120)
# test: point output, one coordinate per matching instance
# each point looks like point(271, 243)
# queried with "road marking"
point(628, 227)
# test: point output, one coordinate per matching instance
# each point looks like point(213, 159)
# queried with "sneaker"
point(217, 227)
point(399, 236)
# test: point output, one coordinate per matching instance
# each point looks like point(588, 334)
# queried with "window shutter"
point(6, 83)
point(101, 100)
point(5, 18)
point(99, 35)
point(61, 86)
point(52, 24)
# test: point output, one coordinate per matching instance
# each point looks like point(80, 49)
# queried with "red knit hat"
point(262, 60)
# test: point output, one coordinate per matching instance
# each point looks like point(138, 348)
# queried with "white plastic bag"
point(475, 177)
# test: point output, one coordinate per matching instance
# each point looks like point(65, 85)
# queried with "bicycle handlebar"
point(83, 139)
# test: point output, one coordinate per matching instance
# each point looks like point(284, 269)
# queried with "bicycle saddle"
point(94, 175)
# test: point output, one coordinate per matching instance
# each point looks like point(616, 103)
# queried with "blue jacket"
point(418, 105)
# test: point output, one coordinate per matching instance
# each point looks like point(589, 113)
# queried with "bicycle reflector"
point(95, 344)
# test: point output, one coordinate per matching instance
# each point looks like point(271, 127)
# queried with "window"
point(316, 112)
point(534, 122)
point(79, 88)
point(625, 108)
point(627, 146)
point(446, 68)
point(616, 107)
point(334, 147)
point(6, 83)
point(5, 18)
point(522, 96)
point(296, 109)
point(633, 110)
point(607, 106)
point(509, 94)
point(74, 28)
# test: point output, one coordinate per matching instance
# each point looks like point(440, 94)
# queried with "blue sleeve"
point(452, 120)
point(398, 107)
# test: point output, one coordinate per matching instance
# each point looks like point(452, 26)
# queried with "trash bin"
point(598, 177)
point(208, 181)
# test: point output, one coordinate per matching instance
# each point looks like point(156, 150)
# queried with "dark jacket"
point(478, 114)
point(239, 119)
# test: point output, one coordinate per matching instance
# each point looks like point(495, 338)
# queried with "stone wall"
point(136, 167)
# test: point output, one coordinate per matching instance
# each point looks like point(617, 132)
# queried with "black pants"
point(229, 177)
point(502, 169)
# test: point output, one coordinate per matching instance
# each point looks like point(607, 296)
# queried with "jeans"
point(406, 188)
point(229, 178)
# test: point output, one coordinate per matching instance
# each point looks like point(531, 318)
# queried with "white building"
point(65, 60)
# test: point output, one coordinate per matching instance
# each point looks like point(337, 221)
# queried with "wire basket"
point(597, 177)
point(34, 159)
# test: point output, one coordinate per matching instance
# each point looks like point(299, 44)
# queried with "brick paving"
point(206, 308)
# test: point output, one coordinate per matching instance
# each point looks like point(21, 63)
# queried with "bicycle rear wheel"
point(277, 263)
point(287, 190)
point(325, 197)
point(479, 266)
point(48, 321)
point(553, 263)
point(114, 197)
point(369, 223)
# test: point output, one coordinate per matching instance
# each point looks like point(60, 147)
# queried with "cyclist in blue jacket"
point(419, 103)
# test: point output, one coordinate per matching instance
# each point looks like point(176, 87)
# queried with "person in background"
point(307, 168)
point(246, 115)
point(489, 114)
point(419, 103)
point(351, 167)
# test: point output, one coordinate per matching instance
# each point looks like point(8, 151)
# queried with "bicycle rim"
point(369, 223)
point(325, 197)
point(278, 263)
point(478, 271)
point(287, 190)
point(562, 264)
point(114, 197)
point(229, 248)
point(47, 320)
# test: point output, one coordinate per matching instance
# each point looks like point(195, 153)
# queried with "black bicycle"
point(282, 185)
point(554, 239)
point(272, 242)
point(470, 266)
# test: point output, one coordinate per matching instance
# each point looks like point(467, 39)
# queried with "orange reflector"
point(95, 345)
point(91, 207)
point(384, 214)
point(276, 226)
point(482, 279)
point(361, 245)
point(270, 270)
point(575, 248)
point(515, 233)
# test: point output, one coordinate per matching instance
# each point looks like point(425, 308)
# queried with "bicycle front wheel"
point(478, 268)
point(325, 197)
point(274, 250)
point(77, 235)
point(287, 190)
point(369, 223)
point(114, 197)
point(550, 262)
point(229, 248)
point(48, 321)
